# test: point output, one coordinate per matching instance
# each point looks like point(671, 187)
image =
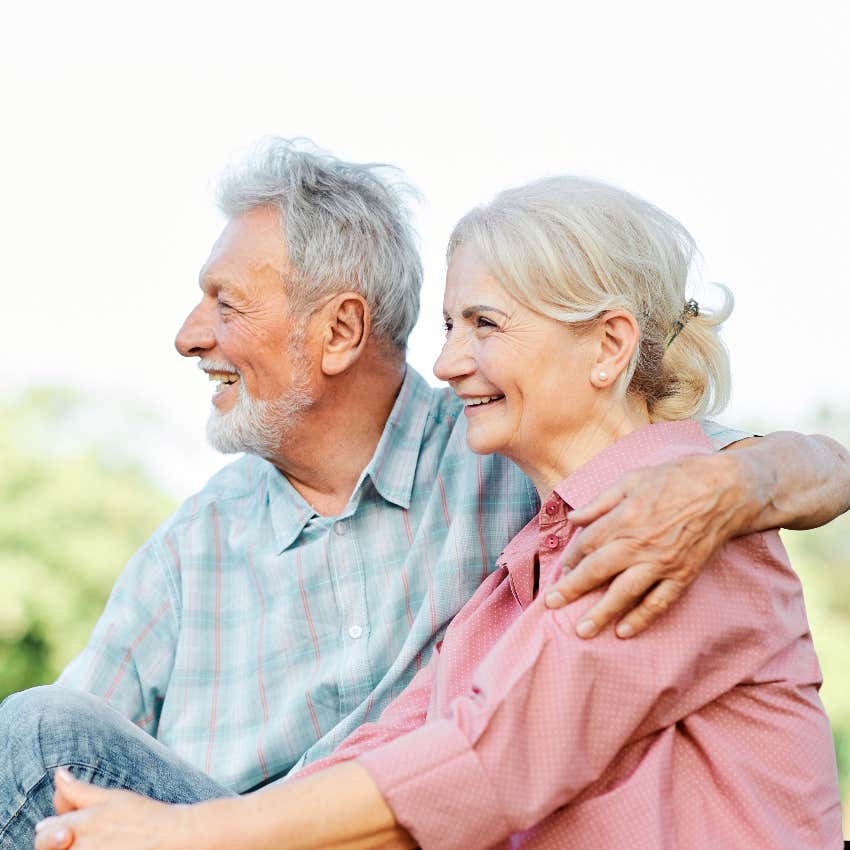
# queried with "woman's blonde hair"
point(572, 248)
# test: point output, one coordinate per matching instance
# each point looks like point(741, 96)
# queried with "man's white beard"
point(259, 427)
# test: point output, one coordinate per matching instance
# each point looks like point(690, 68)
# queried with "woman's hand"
point(93, 818)
point(340, 807)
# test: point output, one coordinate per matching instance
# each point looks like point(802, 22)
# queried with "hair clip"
point(691, 311)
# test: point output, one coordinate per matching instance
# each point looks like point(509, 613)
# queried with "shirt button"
point(355, 632)
point(340, 527)
point(552, 541)
point(551, 509)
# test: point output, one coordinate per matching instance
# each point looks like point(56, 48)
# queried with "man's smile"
point(224, 379)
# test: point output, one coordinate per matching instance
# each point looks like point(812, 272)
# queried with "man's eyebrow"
point(482, 308)
point(217, 284)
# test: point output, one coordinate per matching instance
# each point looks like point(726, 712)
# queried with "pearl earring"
point(603, 376)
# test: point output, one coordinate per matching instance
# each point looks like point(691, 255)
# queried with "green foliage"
point(822, 560)
point(71, 518)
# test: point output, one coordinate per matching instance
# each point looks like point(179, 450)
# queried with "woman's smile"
point(473, 405)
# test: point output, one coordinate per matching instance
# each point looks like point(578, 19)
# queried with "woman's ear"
point(347, 323)
point(618, 336)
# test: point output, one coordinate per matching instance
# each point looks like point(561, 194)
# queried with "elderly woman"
point(578, 354)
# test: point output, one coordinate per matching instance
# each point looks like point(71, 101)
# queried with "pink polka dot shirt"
point(704, 732)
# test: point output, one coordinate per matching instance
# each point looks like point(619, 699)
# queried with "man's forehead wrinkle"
point(213, 284)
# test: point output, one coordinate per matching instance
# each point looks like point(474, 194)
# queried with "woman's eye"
point(447, 325)
point(482, 322)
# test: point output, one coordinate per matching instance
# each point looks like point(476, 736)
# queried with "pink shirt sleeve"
point(548, 712)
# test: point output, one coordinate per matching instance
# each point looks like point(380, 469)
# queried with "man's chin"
point(226, 434)
point(257, 427)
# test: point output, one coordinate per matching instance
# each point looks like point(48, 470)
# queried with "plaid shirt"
point(251, 635)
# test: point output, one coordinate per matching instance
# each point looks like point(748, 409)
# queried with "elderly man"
point(297, 593)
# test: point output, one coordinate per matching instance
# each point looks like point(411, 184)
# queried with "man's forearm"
point(794, 481)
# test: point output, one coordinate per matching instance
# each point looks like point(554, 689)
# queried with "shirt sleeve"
point(549, 712)
point(722, 436)
point(129, 657)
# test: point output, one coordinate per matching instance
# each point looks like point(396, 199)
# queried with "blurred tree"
point(71, 517)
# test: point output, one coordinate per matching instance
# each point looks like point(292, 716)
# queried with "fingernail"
point(64, 775)
point(39, 826)
point(586, 628)
point(624, 630)
point(60, 837)
point(554, 599)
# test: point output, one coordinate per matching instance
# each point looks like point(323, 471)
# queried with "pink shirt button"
point(551, 509)
point(552, 541)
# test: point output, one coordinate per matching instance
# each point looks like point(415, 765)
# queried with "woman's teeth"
point(472, 402)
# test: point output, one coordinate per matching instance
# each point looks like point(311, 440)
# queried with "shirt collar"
point(288, 509)
point(648, 446)
point(392, 468)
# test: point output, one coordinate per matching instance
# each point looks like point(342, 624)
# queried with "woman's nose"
point(455, 360)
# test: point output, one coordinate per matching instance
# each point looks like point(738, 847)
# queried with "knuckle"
point(597, 570)
point(630, 586)
point(668, 560)
point(657, 603)
point(684, 572)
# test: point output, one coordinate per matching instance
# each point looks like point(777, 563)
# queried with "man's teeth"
point(223, 377)
point(471, 402)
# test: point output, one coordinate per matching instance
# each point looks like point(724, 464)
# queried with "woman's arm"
point(340, 807)
point(651, 534)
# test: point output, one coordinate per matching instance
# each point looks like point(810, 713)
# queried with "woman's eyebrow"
point(482, 308)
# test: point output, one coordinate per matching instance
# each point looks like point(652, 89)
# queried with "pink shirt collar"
point(648, 446)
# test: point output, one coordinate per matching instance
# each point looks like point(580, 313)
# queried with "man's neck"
point(328, 450)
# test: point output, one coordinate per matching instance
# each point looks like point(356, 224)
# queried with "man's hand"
point(93, 818)
point(650, 535)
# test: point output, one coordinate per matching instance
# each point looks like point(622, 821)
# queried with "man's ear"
point(618, 337)
point(347, 323)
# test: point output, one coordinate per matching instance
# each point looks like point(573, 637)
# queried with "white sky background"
point(734, 117)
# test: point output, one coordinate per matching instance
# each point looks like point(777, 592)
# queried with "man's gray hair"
point(347, 226)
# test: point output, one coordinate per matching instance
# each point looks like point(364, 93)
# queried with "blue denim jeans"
point(49, 727)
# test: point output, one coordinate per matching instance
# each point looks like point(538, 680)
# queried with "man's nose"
point(196, 337)
point(455, 360)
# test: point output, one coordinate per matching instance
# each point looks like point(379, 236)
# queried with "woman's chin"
point(481, 445)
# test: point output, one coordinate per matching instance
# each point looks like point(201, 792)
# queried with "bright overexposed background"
point(735, 117)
